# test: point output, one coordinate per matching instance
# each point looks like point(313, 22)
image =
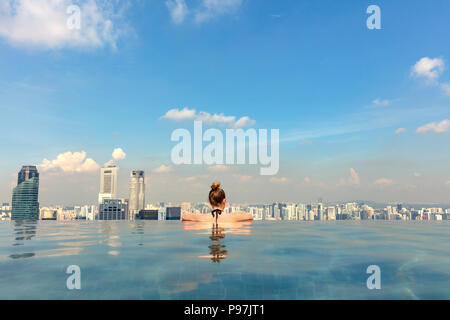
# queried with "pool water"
point(263, 260)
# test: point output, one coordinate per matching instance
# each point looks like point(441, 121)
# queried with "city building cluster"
point(25, 205)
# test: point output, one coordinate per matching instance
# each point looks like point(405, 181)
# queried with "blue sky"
point(338, 92)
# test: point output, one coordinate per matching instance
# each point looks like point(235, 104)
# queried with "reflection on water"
point(22, 255)
point(217, 233)
point(218, 251)
point(24, 230)
point(263, 260)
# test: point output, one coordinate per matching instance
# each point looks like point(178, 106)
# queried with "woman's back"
point(217, 199)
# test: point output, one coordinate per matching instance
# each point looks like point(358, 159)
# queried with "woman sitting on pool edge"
point(218, 200)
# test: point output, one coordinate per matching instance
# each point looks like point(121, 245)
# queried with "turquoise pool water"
point(264, 260)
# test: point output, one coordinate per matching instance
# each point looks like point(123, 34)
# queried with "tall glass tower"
point(137, 192)
point(25, 205)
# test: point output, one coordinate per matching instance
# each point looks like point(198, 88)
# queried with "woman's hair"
point(216, 195)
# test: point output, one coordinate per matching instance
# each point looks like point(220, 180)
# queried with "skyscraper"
point(108, 183)
point(137, 193)
point(25, 205)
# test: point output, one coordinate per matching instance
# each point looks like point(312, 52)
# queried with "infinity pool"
point(264, 260)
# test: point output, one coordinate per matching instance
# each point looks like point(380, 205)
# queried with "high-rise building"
point(108, 183)
point(25, 205)
point(113, 209)
point(320, 211)
point(137, 193)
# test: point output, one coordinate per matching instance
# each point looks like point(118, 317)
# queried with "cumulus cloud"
point(244, 122)
point(118, 154)
point(69, 162)
point(381, 103)
point(213, 8)
point(428, 69)
point(354, 177)
point(383, 182)
point(441, 127)
point(178, 10)
point(214, 118)
point(44, 23)
point(163, 169)
point(178, 115)
point(400, 130)
point(280, 180)
point(192, 114)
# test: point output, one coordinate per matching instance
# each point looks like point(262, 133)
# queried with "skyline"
point(363, 114)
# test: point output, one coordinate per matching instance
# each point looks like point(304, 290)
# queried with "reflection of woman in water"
point(218, 251)
point(218, 200)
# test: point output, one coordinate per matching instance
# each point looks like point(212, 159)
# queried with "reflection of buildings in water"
point(23, 231)
point(110, 230)
point(217, 250)
point(138, 227)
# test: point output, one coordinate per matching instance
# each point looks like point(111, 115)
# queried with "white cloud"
point(440, 127)
point(44, 23)
point(244, 122)
point(279, 180)
point(216, 118)
point(213, 8)
point(429, 69)
point(447, 183)
point(69, 162)
point(163, 169)
point(109, 163)
point(400, 130)
point(307, 180)
point(178, 10)
point(177, 115)
point(417, 175)
point(384, 182)
point(219, 168)
point(354, 177)
point(118, 154)
point(446, 88)
point(382, 103)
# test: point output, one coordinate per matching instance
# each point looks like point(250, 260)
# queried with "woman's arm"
point(196, 217)
point(236, 217)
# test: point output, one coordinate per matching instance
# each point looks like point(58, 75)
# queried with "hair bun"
point(215, 186)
